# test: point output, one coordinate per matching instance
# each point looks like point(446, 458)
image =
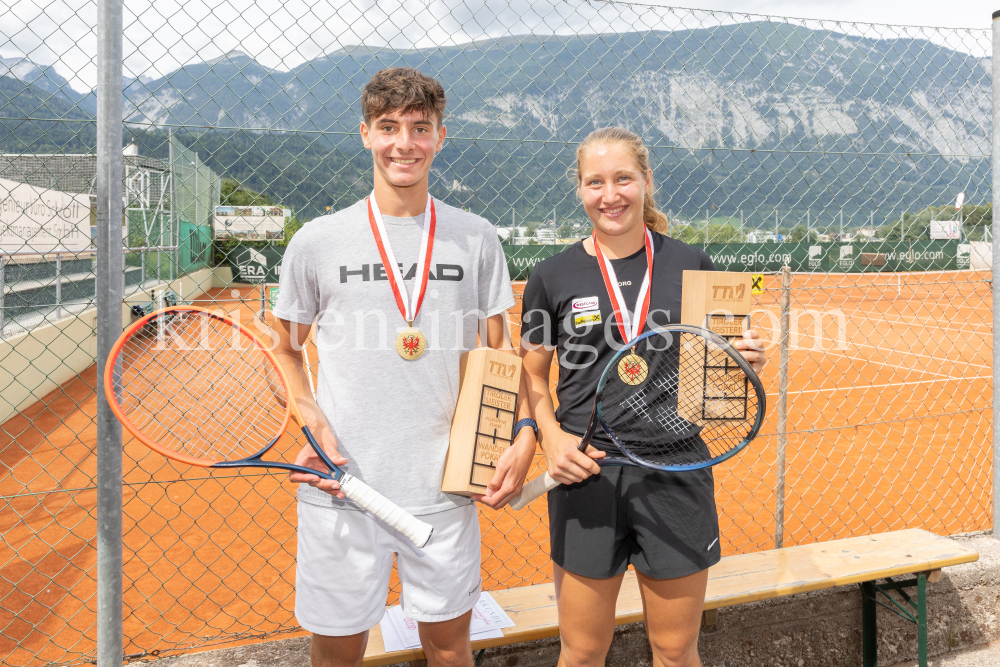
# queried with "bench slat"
point(736, 579)
point(769, 574)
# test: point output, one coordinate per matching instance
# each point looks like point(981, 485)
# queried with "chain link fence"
point(836, 149)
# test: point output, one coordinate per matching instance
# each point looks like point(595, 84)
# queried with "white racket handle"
point(415, 530)
point(536, 487)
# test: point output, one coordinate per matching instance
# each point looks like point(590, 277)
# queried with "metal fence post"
point(175, 228)
point(197, 195)
point(779, 487)
point(58, 285)
point(109, 326)
point(996, 271)
point(2, 288)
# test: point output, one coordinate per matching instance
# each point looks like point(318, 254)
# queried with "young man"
point(398, 285)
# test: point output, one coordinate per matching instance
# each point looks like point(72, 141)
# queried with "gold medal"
point(632, 369)
point(410, 344)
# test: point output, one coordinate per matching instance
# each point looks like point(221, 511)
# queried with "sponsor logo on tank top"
point(585, 303)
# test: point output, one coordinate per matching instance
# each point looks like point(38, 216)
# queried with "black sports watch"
point(525, 422)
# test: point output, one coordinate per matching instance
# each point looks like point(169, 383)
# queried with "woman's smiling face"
point(612, 188)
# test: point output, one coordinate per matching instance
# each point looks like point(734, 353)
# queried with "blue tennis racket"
point(676, 398)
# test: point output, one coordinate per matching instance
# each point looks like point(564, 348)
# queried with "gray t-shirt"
point(392, 417)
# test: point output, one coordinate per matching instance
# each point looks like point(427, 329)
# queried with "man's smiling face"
point(403, 146)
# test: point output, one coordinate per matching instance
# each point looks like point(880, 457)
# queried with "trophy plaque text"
point(483, 426)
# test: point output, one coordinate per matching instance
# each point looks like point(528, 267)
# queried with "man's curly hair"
point(402, 89)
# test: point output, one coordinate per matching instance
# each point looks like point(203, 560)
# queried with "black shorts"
point(663, 523)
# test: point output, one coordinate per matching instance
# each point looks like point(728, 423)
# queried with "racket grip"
point(413, 528)
point(536, 487)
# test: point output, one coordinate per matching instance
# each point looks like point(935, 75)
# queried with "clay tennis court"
point(889, 426)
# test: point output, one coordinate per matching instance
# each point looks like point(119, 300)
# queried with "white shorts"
point(345, 561)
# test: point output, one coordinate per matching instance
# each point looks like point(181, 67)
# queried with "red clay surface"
point(889, 426)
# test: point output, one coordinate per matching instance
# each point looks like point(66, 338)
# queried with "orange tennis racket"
point(201, 389)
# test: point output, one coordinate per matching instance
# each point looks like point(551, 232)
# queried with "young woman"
point(603, 520)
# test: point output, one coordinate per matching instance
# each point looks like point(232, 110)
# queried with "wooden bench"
point(874, 562)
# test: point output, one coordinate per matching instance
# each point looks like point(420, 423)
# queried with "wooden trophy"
point(483, 426)
point(711, 385)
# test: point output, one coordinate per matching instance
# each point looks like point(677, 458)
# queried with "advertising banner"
point(263, 265)
point(924, 255)
point(252, 223)
point(945, 229)
point(521, 259)
point(34, 219)
point(256, 265)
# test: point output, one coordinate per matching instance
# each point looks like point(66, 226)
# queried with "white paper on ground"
point(400, 632)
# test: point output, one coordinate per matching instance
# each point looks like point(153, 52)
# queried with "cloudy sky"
point(162, 35)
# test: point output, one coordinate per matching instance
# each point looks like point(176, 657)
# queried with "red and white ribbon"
point(628, 327)
point(408, 309)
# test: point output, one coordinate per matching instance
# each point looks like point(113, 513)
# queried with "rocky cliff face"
point(752, 115)
point(744, 86)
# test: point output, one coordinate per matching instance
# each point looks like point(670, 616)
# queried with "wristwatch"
point(525, 422)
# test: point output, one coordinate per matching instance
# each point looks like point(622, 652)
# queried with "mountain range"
point(831, 119)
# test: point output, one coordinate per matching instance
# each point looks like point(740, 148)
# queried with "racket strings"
point(198, 386)
point(693, 403)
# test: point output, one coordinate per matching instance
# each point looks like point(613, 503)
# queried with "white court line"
point(931, 357)
point(943, 322)
point(939, 360)
point(867, 315)
point(956, 364)
point(915, 320)
point(944, 312)
point(884, 386)
point(882, 304)
point(885, 363)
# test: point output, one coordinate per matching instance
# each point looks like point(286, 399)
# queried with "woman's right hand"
point(564, 460)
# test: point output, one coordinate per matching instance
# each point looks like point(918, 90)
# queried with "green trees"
point(799, 234)
point(233, 193)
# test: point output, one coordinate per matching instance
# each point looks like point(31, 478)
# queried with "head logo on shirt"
point(366, 272)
